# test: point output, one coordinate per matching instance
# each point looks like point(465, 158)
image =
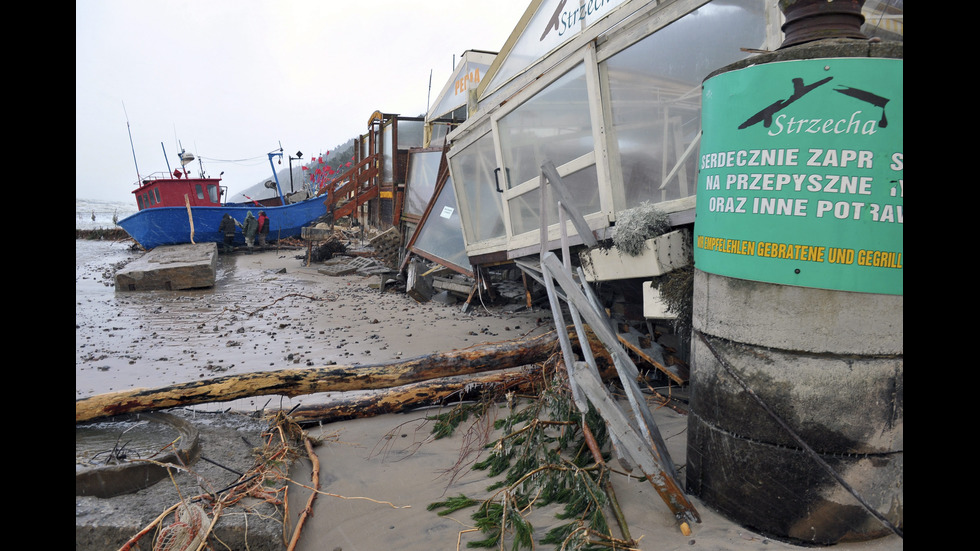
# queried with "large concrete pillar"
point(796, 422)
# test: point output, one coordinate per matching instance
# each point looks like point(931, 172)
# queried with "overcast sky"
point(229, 80)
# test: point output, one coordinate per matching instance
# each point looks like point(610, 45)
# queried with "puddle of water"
point(117, 441)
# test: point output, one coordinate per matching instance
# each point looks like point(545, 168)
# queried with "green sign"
point(800, 175)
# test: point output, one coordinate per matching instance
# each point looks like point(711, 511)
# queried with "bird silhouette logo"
point(800, 89)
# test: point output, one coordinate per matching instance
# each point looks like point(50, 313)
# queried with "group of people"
point(251, 228)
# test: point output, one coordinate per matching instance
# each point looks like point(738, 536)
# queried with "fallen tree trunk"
point(295, 382)
point(436, 392)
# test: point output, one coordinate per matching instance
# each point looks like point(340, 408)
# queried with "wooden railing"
point(357, 186)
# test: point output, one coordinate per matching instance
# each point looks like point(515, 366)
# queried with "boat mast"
point(131, 146)
point(282, 198)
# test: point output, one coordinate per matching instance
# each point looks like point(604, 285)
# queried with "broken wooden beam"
point(452, 285)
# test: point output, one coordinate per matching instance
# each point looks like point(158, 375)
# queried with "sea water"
point(95, 214)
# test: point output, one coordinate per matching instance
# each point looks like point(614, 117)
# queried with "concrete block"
point(172, 268)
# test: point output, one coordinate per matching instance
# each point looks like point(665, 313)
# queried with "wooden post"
point(190, 218)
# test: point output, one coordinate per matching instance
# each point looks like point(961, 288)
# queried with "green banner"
point(800, 175)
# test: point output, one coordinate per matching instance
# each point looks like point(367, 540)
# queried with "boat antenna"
point(200, 163)
point(138, 179)
point(166, 160)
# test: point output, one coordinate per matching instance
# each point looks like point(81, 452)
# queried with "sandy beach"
point(377, 475)
point(267, 311)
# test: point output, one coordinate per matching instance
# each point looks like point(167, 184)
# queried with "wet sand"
point(378, 475)
point(267, 311)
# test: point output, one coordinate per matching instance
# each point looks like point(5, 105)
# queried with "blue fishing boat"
point(175, 209)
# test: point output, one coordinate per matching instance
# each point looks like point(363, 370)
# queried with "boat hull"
point(158, 226)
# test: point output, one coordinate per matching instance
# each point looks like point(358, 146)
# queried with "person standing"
point(227, 229)
point(263, 228)
point(250, 228)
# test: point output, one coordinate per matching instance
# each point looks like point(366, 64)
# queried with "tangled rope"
point(186, 532)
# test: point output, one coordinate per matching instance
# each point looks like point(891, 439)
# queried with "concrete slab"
point(230, 444)
point(171, 267)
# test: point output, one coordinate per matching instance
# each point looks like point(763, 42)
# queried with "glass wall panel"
point(439, 133)
point(410, 133)
point(554, 125)
point(884, 19)
point(655, 94)
point(483, 217)
point(582, 187)
point(387, 154)
point(441, 234)
point(423, 168)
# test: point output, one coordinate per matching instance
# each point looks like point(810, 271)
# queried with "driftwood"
point(436, 392)
point(296, 382)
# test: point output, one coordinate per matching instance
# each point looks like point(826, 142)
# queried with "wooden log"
point(295, 382)
point(436, 392)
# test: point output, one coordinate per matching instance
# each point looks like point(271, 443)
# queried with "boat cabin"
point(178, 191)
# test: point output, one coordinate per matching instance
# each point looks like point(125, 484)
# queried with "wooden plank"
point(447, 284)
point(653, 355)
point(417, 286)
